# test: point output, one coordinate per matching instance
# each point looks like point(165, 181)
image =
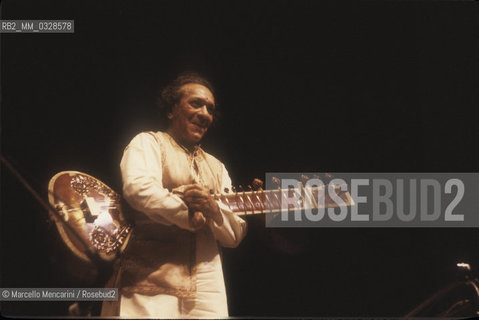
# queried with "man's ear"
point(172, 112)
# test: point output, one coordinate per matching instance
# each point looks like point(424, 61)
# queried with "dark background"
point(303, 86)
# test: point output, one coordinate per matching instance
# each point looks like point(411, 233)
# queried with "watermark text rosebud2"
point(374, 200)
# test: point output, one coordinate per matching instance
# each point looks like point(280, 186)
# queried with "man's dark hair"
point(172, 93)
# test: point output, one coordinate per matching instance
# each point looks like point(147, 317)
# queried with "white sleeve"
point(141, 171)
point(234, 228)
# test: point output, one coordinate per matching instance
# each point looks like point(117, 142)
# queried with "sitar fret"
point(267, 201)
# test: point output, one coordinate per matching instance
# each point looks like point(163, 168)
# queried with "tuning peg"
point(464, 270)
point(328, 177)
point(304, 178)
point(325, 177)
point(227, 190)
point(250, 188)
point(233, 189)
point(276, 182)
point(215, 196)
point(240, 187)
point(316, 176)
point(257, 184)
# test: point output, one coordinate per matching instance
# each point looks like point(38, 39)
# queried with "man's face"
point(193, 115)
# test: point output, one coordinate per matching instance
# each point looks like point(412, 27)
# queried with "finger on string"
point(196, 194)
point(196, 202)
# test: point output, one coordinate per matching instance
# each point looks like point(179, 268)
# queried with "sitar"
point(94, 211)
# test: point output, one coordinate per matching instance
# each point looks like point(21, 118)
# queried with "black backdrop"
point(303, 86)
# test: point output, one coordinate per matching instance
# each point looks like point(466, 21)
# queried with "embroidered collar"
point(193, 153)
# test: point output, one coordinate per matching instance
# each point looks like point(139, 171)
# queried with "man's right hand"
point(196, 218)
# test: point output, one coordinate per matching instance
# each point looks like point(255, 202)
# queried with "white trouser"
point(209, 302)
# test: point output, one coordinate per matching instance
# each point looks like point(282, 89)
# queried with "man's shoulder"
point(148, 135)
point(145, 140)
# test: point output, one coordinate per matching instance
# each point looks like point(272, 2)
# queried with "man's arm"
point(141, 170)
point(228, 228)
point(234, 228)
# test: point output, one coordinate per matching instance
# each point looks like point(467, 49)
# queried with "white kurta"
point(152, 165)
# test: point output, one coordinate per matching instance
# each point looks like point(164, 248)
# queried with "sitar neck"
point(302, 198)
